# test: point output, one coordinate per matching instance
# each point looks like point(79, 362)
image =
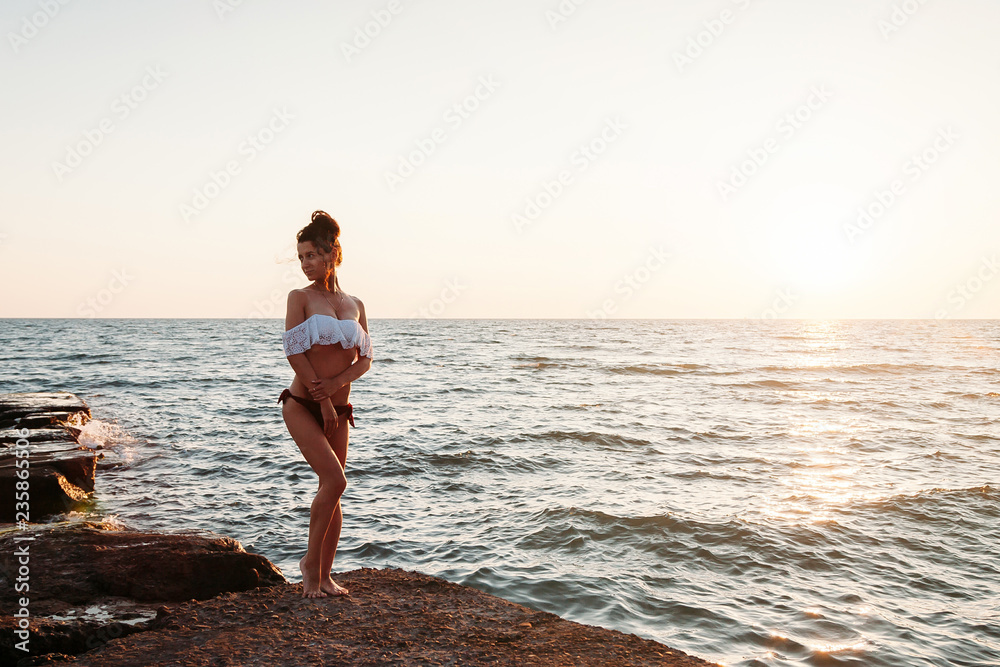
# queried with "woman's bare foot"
point(330, 586)
point(310, 587)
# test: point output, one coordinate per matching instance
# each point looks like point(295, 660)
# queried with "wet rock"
point(81, 562)
point(60, 471)
point(36, 409)
point(91, 583)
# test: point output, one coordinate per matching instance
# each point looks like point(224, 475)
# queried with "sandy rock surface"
point(391, 617)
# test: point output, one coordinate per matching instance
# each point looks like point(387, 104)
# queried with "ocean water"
point(750, 492)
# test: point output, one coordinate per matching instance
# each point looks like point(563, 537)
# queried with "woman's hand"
point(330, 419)
point(324, 389)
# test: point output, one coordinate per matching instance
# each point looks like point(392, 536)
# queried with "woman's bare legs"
point(314, 446)
point(327, 584)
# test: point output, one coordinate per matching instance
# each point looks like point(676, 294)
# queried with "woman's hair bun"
point(325, 219)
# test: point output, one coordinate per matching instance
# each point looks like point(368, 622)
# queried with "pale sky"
point(731, 143)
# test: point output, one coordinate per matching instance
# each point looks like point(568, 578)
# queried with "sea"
point(752, 492)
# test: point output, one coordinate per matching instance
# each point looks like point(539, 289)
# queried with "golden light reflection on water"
point(818, 344)
point(828, 648)
point(824, 477)
point(859, 645)
point(825, 334)
point(809, 429)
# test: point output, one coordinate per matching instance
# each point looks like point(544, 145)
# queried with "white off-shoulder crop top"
point(322, 329)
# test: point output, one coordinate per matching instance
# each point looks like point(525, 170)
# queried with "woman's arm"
point(354, 371)
point(363, 364)
point(294, 316)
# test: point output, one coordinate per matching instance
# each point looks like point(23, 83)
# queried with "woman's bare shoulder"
point(359, 303)
point(295, 310)
point(362, 316)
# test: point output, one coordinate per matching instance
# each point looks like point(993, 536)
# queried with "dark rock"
point(46, 434)
point(74, 462)
point(50, 493)
point(60, 471)
point(90, 583)
point(14, 407)
point(81, 562)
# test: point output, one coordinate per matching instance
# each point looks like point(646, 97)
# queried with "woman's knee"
point(333, 484)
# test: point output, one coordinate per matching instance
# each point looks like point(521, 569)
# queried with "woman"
point(327, 343)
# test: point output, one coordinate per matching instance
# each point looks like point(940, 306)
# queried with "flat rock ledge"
point(391, 617)
point(110, 597)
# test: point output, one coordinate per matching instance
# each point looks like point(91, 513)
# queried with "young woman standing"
point(326, 342)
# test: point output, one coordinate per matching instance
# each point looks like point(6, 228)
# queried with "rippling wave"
point(780, 493)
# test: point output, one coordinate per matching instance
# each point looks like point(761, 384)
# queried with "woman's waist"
point(330, 360)
point(339, 397)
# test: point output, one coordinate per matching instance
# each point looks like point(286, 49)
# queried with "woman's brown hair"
point(324, 232)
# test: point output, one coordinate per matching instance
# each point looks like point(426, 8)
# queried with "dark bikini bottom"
point(316, 410)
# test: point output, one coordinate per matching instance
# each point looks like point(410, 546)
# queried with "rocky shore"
point(95, 593)
point(71, 586)
point(61, 470)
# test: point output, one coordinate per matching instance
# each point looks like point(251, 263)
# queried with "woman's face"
point(313, 264)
